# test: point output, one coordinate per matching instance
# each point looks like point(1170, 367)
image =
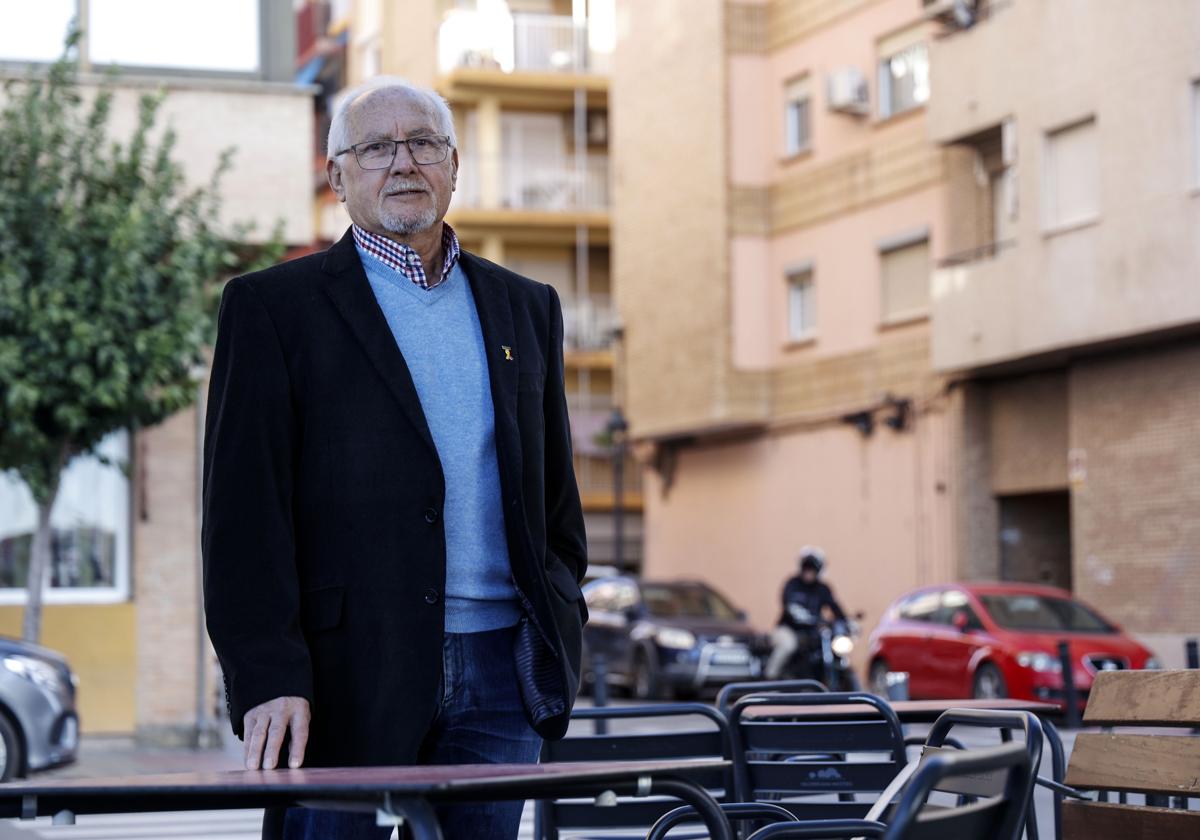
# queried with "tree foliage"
point(108, 273)
point(107, 265)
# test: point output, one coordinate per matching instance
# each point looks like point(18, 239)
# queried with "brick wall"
point(978, 514)
point(165, 581)
point(1136, 530)
point(1028, 433)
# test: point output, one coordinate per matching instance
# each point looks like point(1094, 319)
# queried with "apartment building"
point(778, 207)
point(1069, 304)
point(124, 602)
point(528, 81)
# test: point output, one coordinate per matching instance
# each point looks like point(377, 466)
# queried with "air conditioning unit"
point(846, 92)
point(961, 13)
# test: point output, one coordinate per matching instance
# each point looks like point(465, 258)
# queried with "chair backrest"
point(998, 816)
point(797, 747)
point(730, 693)
point(707, 736)
point(1004, 722)
point(1157, 765)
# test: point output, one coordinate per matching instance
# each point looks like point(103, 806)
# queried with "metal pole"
point(600, 691)
point(619, 504)
point(1070, 695)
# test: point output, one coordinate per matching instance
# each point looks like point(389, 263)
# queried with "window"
point(904, 271)
point(1071, 190)
point(1043, 613)
point(921, 607)
point(34, 32)
point(903, 78)
point(216, 35)
point(797, 116)
point(956, 601)
point(90, 521)
point(1196, 133)
point(220, 35)
point(802, 304)
point(600, 596)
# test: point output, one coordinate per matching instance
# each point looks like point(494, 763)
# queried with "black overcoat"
point(323, 543)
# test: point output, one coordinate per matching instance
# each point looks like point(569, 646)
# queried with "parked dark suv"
point(660, 639)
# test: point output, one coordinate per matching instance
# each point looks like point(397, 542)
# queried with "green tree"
point(108, 273)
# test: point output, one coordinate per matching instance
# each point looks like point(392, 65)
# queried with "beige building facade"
point(1071, 311)
point(891, 286)
point(777, 213)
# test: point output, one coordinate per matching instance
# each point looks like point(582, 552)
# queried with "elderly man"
point(392, 536)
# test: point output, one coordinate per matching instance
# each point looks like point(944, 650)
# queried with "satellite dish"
point(965, 12)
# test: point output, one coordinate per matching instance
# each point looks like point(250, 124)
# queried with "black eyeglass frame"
point(445, 138)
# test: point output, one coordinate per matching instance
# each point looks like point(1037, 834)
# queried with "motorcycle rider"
point(803, 593)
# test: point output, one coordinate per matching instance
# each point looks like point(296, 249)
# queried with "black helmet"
point(813, 558)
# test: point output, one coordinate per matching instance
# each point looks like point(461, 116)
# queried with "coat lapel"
point(504, 364)
point(352, 295)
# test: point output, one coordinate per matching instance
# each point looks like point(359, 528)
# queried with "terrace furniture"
point(1164, 767)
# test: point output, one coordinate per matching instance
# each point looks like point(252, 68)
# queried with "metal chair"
point(800, 761)
point(783, 767)
point(732, 692)
point(1005, 722)
point(996, 817)
point(634, 815)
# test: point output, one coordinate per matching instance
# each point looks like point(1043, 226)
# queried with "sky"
point(208, 35)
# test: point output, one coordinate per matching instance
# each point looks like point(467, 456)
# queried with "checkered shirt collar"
point(406, 260)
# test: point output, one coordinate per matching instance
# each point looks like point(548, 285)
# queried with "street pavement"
point(105, 756)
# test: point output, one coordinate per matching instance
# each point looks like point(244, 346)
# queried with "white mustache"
point(401, 186)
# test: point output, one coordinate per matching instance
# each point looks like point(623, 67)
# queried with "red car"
point(996, 640)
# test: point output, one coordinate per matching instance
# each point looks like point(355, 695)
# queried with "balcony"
point(596, 485)
point(517, 43)
point(533, 185)
point(589, 415)
point(589, 323)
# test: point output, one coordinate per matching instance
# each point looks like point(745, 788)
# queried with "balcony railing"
point(595, 475)
point(589, 323)
point(521, 184)
point(523, 42)
point(980, 252)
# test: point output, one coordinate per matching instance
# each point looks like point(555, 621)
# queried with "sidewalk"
point(101, 755)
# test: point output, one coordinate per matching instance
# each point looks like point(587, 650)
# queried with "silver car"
point(39, 727)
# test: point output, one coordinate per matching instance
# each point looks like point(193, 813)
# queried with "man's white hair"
point(339, 137)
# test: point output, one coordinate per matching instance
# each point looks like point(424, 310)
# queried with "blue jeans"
point(480, 720)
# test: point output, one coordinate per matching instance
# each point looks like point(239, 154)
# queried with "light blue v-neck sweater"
point(439, 335)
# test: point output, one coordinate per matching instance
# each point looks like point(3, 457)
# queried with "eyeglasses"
point(379, 154)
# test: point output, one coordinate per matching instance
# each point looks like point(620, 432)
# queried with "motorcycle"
point(824, 650)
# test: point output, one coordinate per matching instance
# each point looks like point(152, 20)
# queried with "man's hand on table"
point(265, 727)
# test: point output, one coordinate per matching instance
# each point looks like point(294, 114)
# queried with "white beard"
point(406, 224)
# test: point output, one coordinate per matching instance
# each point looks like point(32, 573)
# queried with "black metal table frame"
point(391, 804)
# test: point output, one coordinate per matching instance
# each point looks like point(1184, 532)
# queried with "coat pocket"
point(321, 609)
point(563, 581)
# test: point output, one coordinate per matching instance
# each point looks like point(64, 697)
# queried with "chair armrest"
point(821, 829)
point(1060, 788)
point(734, 810)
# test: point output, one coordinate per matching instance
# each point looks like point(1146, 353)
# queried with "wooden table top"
point(260, 788)
point(908, 711)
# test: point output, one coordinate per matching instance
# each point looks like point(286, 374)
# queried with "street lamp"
point(616, 428)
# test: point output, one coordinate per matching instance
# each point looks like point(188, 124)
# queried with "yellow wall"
point(99, 642)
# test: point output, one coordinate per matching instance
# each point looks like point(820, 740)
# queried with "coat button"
point(431, 515)
point(431, 596)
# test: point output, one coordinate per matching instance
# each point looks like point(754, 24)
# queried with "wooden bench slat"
point(1144, 698)
point(1162, 764)
point(1100, 821)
